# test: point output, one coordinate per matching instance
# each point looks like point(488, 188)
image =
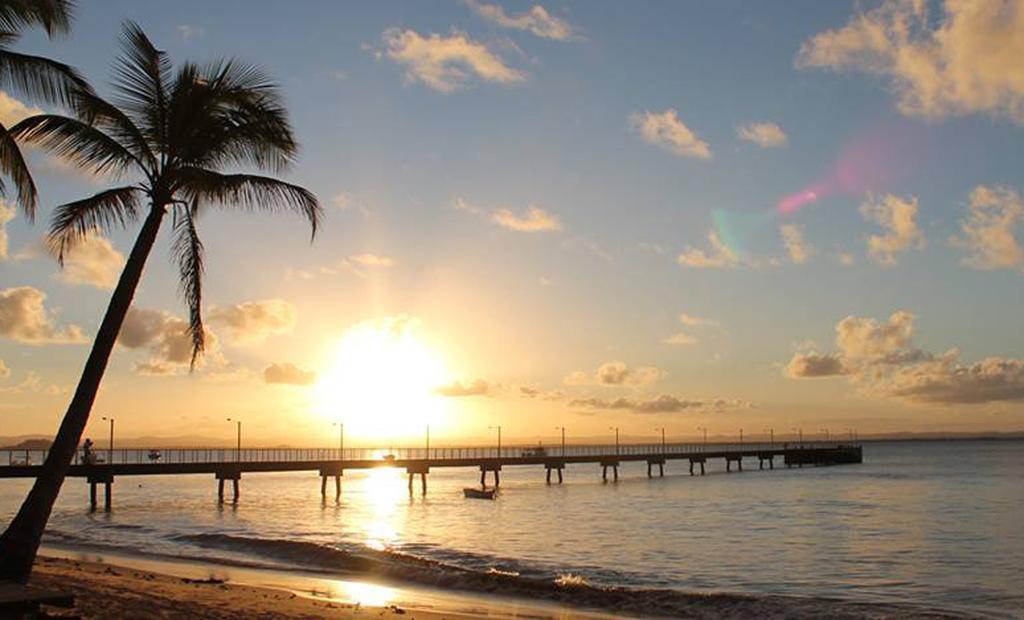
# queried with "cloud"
point(477, 387)
point(898, 217)
point(358, 265)
point(371, 260)
point(663, 403)
point(12, 111)
point(446, 63)
point(765, 135)
point(664, 129)
point(797, 248)
point(254, 321)
point(5, 372)
point(167, 339)
point(966, 61)
point(288, 374)
point(537, 20)
point(881, 359)
point(24, 318)
point(526, 391)
point(720, 255)
point(535, 220)
point(92, 261)
point(990, 229)
point(813, 364)
point(616, 374)
point(345, 201)
point(7, 214)
point(188, 32)
point(682, 338)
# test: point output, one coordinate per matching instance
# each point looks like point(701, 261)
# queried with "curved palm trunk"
point(19, 543)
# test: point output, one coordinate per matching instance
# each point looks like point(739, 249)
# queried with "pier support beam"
point(660, 462)
point(107, 481)
point(614, 465)
point(766, 458)
point(418, 468)
point(234, 475)
point(557, 466)
point(490, 467)
point(327, 472)
point(699, 461)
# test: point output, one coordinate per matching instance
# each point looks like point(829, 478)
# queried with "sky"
point(787, 216)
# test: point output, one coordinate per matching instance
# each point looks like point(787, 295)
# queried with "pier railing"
point(135, 456)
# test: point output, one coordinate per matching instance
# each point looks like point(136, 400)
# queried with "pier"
point(229, 464)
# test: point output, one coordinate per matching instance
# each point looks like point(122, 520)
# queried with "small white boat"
point(475, 493)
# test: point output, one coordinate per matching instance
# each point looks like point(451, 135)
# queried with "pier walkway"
point(229, 465)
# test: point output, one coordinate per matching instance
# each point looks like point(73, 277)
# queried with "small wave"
point(569, 588)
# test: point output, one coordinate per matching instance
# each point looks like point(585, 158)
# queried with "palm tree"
point(173, 131)
point(41, 79)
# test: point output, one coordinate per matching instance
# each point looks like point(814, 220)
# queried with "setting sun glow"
point(381, 382)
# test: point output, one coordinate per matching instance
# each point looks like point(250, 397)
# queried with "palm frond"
point(188, 253)
point(249, 191)
point(106, 210)
point(80, 143)
point(13, 166)
point(41, 79)
point(98, 112)
point(141, 80)
point(54, 16)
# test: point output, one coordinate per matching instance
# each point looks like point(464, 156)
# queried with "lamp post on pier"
point(705, 430)
point(741, 438)
point(662, 429)
point(341, 439)
point(771, 436)
point(499, 437)
point(110, 446)
point(428, 441)
point(238, 444)
point(825, 431)
point(562, 428)
point(616, 429)
point(800, 433)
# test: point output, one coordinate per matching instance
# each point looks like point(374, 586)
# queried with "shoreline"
point(111, 584)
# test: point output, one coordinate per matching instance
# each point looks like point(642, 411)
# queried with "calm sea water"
point(939, 524)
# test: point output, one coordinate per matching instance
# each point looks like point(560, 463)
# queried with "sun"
point(381, 382)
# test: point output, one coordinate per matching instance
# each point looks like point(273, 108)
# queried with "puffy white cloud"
point(880, 358)
point(477, 387)
point(664, 129)
point(288, 374)
point(92, 261)
point(535, 220)
point(446, 63)
point(765, 135)
point(12, 111)
point(24, 318)
point(898, 217)
point(797, 248)
point(813, 364)
point(7, 214)
point(167, 339)
point(4, 370)
point(537, 20)
point(965, 61)
point(616, 374)
point(720, 255)
point(989, 232)
point(254, 321)
point(663, 403)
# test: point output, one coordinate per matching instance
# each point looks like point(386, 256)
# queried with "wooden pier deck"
point(229, 465)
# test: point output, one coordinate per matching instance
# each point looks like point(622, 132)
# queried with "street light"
point(110, 450)
point(341, 439)
point(825, 430)
point(705, 429)
point(499, 437)
point(616, 429)
point(428, 441)
point(801, 434)
point(662, 429)
point(238, 449)
point(741, 437)
point(771, 435)
point(562, 428)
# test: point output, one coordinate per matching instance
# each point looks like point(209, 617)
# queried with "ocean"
point(932, 524)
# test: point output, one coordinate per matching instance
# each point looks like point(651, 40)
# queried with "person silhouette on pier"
point(88, 456)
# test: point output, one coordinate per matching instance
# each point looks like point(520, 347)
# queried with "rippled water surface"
point(934, 523)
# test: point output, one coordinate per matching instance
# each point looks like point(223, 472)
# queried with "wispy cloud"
point(446, 63)
point(534, 219)
point(765, 135)
point(989, 232)
point(797, 248)
point(664, 129)
point(537, 20)
point(898, 218)
point(720, 255)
